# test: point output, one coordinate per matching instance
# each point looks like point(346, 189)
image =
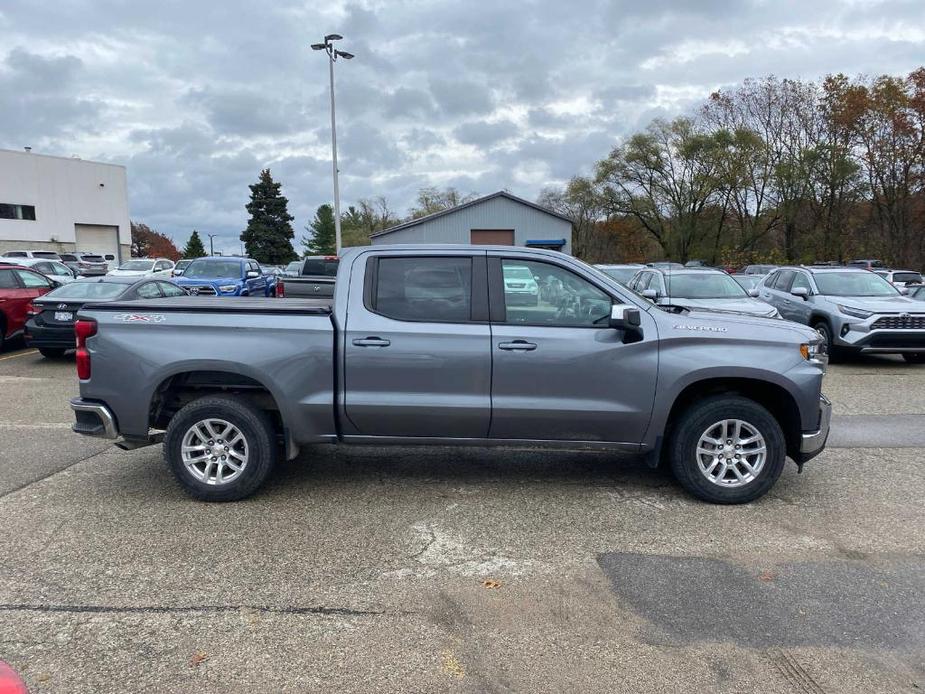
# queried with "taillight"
point(280, 289)
point(32, 310)
point(82, 330)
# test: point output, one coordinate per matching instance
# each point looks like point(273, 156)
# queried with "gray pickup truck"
point(420, 345)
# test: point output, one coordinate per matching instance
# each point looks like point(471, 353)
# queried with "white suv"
point(144, 267)
point(44, 255)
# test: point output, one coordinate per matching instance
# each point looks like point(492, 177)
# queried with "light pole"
point(333, 55)
point(211, 236)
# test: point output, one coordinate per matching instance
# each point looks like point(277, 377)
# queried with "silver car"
point(699, 288)
point(854, 309)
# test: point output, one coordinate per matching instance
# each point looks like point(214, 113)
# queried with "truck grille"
point(202, 290)
point(900, 322)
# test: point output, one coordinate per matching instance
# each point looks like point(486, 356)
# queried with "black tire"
point(52, 352)
point(823, 328)
point(253, 424)
point(914, 357)
point(696, 420)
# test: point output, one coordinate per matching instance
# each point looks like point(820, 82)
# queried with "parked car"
point(665, 265)
point(396, 358)
point(748, 282)
point(19, 286)
point(53, 269)
point(47, 255)
point(180, 267)
point(700, 288)
point(855, 310)
point(757, 269)
point(50, 327)
point(144, 267)
point(224, 276)
point(314, 278)
point(86, 264)
point(293, 269)
point(867, 264)
point(901, 278)
point(622, 273)
point(520, 286)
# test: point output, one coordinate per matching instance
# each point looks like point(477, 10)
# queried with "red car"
point(18, 287)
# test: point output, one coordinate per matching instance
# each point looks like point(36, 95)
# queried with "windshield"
point(748, 281)
point(319, 267)
point(137, 265)
point(207, 269)
point(706, 285)
point(88, 290)
point(620, 274)
point(853, 284)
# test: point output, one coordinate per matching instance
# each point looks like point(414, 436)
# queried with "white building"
point(61, 204)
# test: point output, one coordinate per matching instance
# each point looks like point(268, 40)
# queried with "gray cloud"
point(196, 98)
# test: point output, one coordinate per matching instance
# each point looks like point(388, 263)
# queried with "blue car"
point(224, 276)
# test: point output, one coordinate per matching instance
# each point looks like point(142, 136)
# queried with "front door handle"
point(372, 342)
point(517, 346)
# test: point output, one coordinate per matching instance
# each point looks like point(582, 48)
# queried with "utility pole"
point(333, 55)
point(211, 249)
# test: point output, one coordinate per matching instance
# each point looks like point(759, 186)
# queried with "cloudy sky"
point(195, 97)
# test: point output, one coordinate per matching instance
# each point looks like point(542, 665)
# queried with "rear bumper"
point(94, 419)
point(812, 443)
point(44, 336)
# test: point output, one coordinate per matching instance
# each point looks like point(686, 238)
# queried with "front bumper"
point(812, 443)
point(865, 336)
point(94, 419)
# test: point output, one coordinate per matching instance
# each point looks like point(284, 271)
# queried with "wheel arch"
point(178, 389)
point(772, 396)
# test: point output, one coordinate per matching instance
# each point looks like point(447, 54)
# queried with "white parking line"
point(19, 354)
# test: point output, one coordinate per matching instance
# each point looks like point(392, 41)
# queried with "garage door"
point(491, 237)
point(96, 238)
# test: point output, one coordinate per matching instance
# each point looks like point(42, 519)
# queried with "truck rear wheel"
point(727, 449)
point(220, 448)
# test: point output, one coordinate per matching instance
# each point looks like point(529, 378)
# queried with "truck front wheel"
point(220, 448)
point(727, 449)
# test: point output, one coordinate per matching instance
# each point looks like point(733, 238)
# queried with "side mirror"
point(904, 291)
point(650, 294)
point(753, 292)
point(627, 319)
point(177, 273)
point(801, 292)
point(252, 274)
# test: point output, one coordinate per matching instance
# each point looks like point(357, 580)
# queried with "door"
point(796, 308)
point(98, 238)
point(417, 357)
point(558, 371)
point(256, 286)
point(776, 289)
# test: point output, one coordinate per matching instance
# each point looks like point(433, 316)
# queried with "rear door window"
point(168, 289)
point(149, 291)
point(7, 280)
point(424, 289)
point(783, 280)
point(32, 280)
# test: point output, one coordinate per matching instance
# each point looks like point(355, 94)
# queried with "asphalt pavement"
point(439, 569)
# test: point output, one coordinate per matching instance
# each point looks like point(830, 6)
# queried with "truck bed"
point(216, 304)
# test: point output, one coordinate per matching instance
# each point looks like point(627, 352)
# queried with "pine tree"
point(194, 247)
point(323, 239)
point(267, 238)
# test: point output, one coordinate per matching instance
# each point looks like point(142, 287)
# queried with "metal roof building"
point(496, 219)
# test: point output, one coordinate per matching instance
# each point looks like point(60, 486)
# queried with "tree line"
point(769, 170)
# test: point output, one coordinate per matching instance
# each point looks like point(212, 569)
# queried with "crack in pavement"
point(204, 609)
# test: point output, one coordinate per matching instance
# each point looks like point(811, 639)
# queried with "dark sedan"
point(50, 327)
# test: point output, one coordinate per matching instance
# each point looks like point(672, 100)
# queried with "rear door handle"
point(372, 342)
point(517, 346)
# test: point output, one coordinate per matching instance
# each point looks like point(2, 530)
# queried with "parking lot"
point(433, 569)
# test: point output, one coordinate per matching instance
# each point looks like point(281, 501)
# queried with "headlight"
point(855, 312)
point(228, 288)
point(815, 352)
